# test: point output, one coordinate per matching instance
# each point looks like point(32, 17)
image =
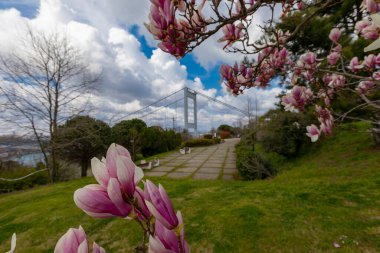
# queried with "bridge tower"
point(190, 102)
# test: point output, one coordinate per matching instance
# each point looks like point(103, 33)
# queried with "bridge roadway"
point(213, 162)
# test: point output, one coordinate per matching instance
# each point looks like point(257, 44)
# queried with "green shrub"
point(173, 139)
point(216, 140)
point(250, 165)
point(284, 132)
point(201, 142)
point(207, 136)
point(153, 141)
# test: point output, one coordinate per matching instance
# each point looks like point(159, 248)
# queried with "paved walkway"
point(214, 162)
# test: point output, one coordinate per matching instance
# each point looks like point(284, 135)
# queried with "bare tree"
point(44, 82)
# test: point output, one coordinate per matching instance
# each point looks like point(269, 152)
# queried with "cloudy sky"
point(111, 34)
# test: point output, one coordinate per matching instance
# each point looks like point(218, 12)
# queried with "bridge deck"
point(214, 162)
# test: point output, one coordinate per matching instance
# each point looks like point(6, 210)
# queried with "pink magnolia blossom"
point(335, 81)
point(300, 5)
point(119, 165)
point(297, 98)
point(143, 211)
point(364, 87)
point(308, 60)
point(167, 241)
point(97, 249)
point(75, 241)
point(159, 205)
point(100, 202)
point(325, 118)
point(323, 114)
point(232, 33)
point(333, 58)
point(370, 61)
point(370, 32)
point(326, 127)
point(174, 33)
point(371, 6)
point(360, 25)
point(376, 75)
point(306, 65)
point(13, 244)
point(355, 65)
point(118, 177)
point(313, 132)
point(335, 35)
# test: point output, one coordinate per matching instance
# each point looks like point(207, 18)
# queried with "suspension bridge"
point(187, 109)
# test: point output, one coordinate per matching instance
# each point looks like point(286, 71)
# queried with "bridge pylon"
point(190, 102)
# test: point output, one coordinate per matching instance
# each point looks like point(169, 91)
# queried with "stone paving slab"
point(211, 160)
point(164, 169)
point(210, 170)
point(212, 165)
point(188, 169)
point(230, 171)
point(228, 177)
point(155, 173)
point(206, 176)
point(178, 175)
point(230, 166)
point(174, 164)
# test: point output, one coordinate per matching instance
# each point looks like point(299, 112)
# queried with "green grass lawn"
point(331, 192)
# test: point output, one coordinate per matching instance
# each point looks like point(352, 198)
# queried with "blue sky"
point(210, 77)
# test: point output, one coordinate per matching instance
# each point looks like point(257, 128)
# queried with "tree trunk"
point(376, 136)
point(54, 164)
point(84, 167)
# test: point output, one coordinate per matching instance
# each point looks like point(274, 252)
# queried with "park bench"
point(149, 165)
point(185, 150)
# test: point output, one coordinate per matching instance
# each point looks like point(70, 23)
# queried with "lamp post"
point(133, 148)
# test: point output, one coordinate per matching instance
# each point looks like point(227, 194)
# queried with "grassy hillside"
point(330, 194)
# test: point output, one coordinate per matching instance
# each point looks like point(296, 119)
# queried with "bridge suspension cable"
point(152, 104)
point(220, 102)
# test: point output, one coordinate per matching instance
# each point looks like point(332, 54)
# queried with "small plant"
point(250, 165)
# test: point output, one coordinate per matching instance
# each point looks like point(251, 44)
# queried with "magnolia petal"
point(70, 243)
point(139, 174)
point(59, 246)
point(376, 19)
point(83, 247)
point(97, 249)
point(126, 174)
point(100, 171)
point(114, 192)
point(157, 214)
point(93, 199)
point(375, 45)
point(168, 205)
point(13, 243)
point(155, 246)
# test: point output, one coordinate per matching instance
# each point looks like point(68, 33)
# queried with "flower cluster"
point(269, 62)
point(297, 99)
point(174, 33)
point(232, 33)
point(118, 195)
point(315, 77)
